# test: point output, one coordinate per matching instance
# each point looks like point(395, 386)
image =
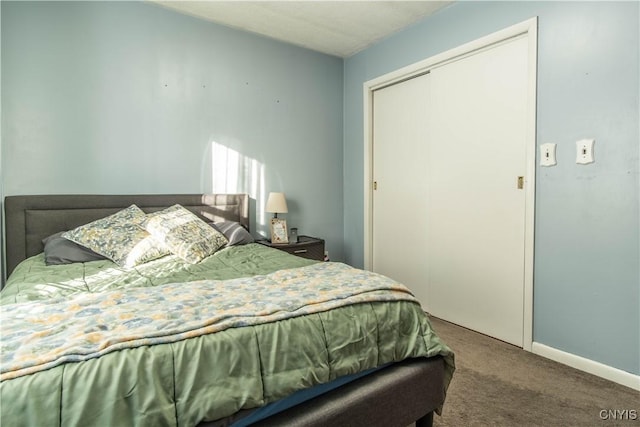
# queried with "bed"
point(294, 373)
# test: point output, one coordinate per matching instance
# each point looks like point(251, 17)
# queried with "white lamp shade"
point(276, 203)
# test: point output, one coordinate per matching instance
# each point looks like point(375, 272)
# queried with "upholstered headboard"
point(29, 219)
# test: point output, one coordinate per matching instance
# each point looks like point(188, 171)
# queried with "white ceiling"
point(339, 28)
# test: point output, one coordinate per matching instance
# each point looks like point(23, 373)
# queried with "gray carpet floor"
point(497, 384)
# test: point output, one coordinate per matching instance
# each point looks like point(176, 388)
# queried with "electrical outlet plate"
point(584, 151)
point(548, 154)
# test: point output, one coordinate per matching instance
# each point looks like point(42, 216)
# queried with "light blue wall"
point(129, 97)
point(587, 261)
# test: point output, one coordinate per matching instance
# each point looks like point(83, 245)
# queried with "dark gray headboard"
point(29, 219)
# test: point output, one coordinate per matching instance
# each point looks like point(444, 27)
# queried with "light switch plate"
point(584, 151)
point(548, 154)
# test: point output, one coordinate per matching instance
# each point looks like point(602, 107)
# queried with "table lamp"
point(276, 203)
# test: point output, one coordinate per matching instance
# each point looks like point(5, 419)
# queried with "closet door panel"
point(476, 216)
point(401, 113)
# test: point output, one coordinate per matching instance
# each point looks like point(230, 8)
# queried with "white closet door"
point(399, 206)
point(476, 220)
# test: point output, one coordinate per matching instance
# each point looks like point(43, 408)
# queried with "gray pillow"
point(235, 233)
point(58, 251)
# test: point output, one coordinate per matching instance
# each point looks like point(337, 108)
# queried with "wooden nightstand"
point(307, 247)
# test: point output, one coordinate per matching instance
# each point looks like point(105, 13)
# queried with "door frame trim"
point(529, 29)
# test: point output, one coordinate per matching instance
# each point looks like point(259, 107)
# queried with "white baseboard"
point(596, 368)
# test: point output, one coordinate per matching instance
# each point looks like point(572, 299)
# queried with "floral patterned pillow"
point(186, 235)
point(120, 238)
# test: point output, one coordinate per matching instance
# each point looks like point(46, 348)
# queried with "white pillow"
point(186, 235)
point(120, 238)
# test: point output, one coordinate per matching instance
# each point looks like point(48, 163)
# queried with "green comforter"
point(281, 331)
point(32, 280)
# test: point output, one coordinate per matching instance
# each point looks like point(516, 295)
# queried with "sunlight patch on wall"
point(233, 172)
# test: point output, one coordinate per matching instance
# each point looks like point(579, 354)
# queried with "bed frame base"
point(399, 395)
